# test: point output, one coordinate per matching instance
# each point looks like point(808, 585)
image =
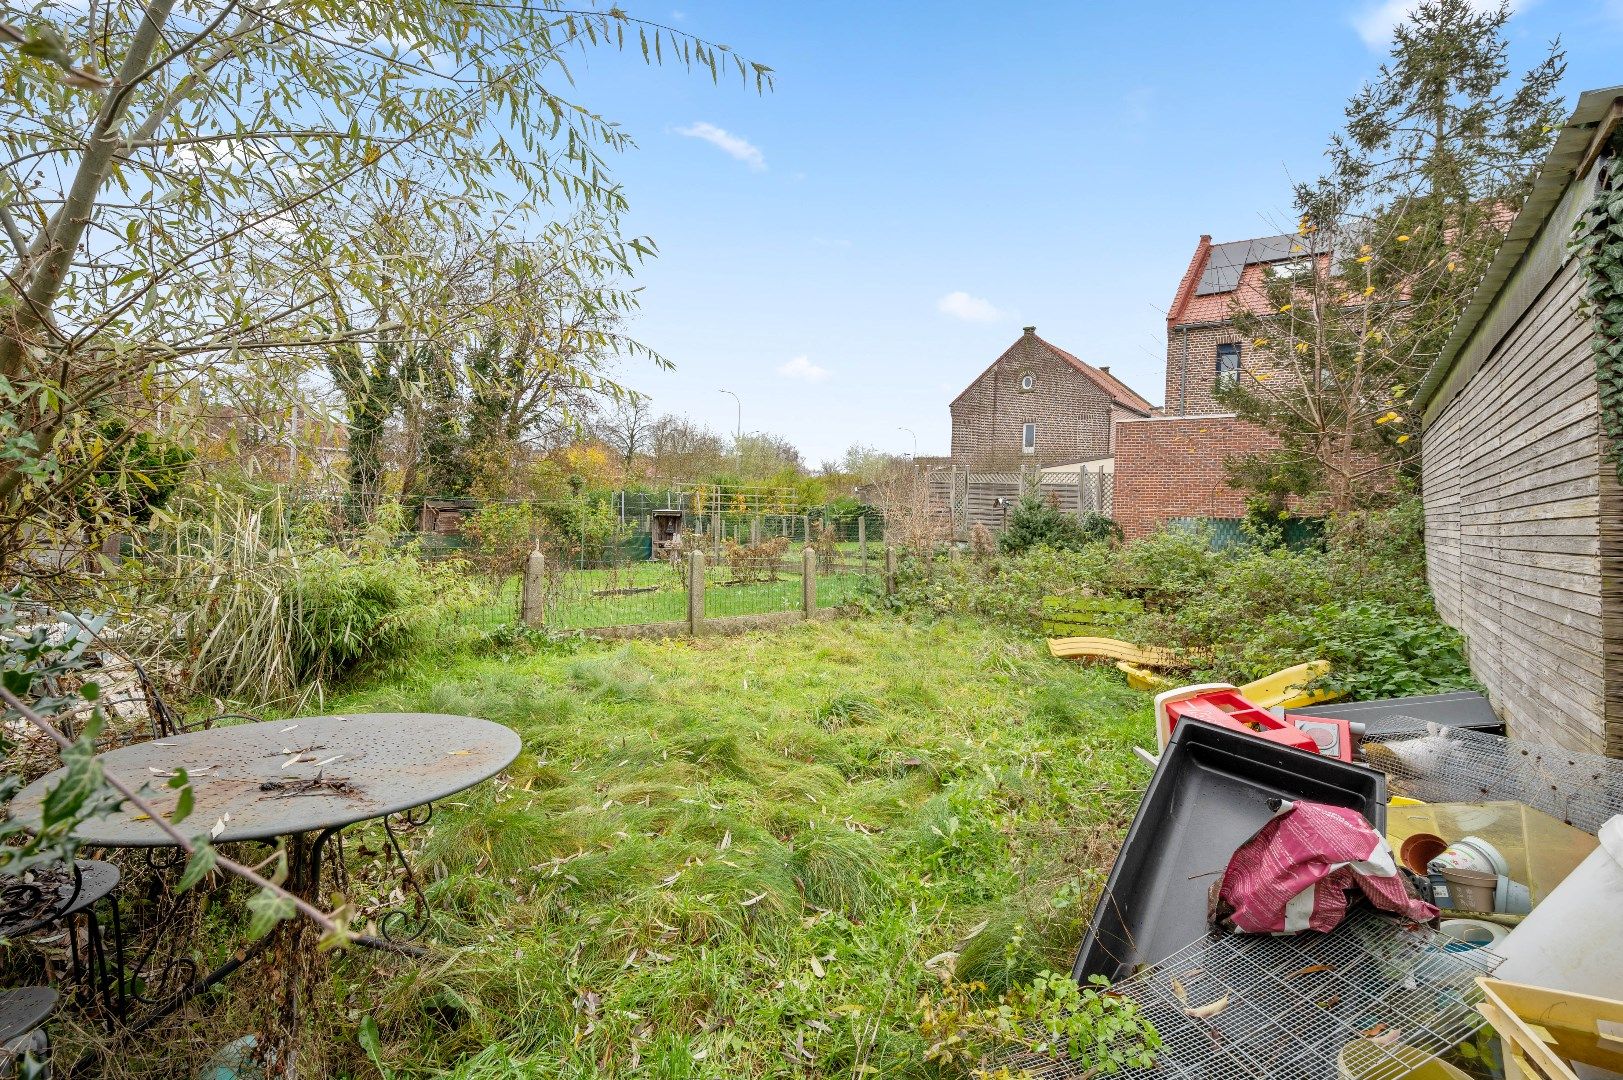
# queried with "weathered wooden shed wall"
point(1523, 533)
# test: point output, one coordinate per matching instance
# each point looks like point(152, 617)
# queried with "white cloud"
point(735, 146)
point(1375, 22)
point(803, 369)
point(961, 305)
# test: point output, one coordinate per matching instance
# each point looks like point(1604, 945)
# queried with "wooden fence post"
point(862, 539)
point(533, 593)
point(755, 529)
point(695, 592)
point(890, 570)
point(808, 581)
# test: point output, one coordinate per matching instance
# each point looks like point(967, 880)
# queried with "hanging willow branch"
point(1598, 239)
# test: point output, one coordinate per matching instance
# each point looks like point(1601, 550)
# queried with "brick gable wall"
point(1073, 416)
point(1172, 467)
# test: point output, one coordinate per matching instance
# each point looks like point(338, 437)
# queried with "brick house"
point(1037, 405)
point(1170, 465)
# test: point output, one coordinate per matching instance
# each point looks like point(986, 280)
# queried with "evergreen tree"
point(1437, 154)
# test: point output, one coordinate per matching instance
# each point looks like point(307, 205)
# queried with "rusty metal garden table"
point(305, 779)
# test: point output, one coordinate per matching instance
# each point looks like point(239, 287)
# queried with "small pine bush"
point(1034, 524)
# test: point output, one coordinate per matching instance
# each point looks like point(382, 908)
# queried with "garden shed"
point(1524, 513)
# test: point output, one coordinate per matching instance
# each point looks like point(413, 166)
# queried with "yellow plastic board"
point(1546, 1030)
point(1142, 678)
point(1539, 850)
point(1104, 648)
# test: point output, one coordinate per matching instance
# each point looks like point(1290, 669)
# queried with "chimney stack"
point(1031, 329)
point(1105, 368)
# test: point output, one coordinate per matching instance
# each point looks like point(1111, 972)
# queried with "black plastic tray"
point(1410, 715)
point(1209, 795)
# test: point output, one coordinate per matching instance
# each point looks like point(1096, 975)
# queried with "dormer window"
point(1027, 382)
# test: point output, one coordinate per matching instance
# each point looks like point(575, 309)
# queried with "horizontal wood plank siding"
point(1522, 511)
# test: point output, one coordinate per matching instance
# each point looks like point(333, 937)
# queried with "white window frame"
point(1028, 439)
point(1229, 378)
point(1027, 382)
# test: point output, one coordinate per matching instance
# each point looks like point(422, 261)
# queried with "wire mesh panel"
point(623, 592)
point(1375, 998)
point(1459, 765)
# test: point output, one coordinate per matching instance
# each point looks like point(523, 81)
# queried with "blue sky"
point(848, 252)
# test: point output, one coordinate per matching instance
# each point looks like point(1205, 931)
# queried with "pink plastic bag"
point(1295, 873)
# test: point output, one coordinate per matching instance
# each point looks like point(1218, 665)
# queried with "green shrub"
point(1036, 524)
point(1007, 590)
point(1375, 650)
point(344, 611)
point(1360, 601)
point(251, 609)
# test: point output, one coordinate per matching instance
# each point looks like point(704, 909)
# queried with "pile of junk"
point(1364, 891)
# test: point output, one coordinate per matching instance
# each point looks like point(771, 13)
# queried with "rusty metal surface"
point(293, 776)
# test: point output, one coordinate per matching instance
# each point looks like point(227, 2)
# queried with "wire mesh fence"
point(1459, 765)
point(626, 576)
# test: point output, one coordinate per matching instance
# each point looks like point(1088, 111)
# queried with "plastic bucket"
point(1471, 934)
point(1471, 890)
point(1570, 941)
point(1471, 853)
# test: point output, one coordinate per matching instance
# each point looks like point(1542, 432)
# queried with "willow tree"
point(1436, 156)
point(151, 154)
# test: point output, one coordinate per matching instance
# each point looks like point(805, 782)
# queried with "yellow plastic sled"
point(1283, 689)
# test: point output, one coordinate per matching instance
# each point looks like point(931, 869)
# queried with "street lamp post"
point(915, 440)
point(738, 433)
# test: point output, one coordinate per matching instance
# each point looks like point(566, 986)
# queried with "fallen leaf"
point(1208, 1010)
point(817, 967)
point(1179, 992)
point(752, 901)
point(458, 753)
point(1311, 969)
point(287, 729)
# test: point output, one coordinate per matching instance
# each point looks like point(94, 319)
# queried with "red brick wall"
point(1170, 467)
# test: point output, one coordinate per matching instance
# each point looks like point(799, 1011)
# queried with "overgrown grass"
point(740, 857)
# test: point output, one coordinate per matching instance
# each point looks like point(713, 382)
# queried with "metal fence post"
point(890, 570)
point(532, 596)
point(808, 580)
point(695, 592)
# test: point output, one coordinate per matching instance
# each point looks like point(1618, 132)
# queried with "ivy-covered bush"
point(1360, 602)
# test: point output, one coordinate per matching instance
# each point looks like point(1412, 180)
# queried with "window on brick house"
point(1228, 363)
point(1028, 439)
point(1027, 382)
